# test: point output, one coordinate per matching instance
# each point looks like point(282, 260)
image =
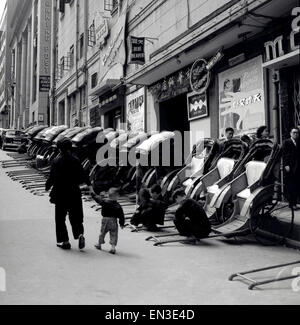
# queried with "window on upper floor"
point(112, 5)
point(62, 3)
point(94, 80)
point(71, 57)
point(62, 66)
point(81, 45)
point(82, 97)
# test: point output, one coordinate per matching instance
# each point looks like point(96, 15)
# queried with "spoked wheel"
point(225, 212)
point(257, 219)
point(257, 222)
point(104, 178)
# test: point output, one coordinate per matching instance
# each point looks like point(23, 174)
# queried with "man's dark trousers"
point(75, 212)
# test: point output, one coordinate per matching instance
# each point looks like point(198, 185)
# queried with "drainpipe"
point(53, 62)
point(86, 46)
point(276, 107)
point(77, 54)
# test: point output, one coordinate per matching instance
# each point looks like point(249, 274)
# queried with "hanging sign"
point(137, 50)
point(201, 73)
point(44, 83)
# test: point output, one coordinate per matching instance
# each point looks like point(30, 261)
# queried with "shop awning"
point(287, 60)
point(109, 84)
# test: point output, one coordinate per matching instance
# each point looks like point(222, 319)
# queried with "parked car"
point(13, 139)
point(1, 133)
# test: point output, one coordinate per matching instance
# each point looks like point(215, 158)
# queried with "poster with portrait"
point(197, 106)
point(241, 97)
point(135, 110)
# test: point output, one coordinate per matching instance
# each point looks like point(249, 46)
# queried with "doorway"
point(173, 114)
point(113, 119)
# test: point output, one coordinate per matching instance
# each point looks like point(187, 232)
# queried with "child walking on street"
point(111, 212)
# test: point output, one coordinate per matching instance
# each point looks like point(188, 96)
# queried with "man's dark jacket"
point(290, 155)
point(191, 219)
point(65, 178)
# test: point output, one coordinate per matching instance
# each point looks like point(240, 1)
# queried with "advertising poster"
point(241, 97)
point(135, 108)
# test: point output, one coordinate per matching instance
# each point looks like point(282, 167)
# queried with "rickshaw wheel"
point(256, 219)
point(225, 212)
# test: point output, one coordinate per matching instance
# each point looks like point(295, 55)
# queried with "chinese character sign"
point(241, 97)
point(135, 105)
point(137, 50)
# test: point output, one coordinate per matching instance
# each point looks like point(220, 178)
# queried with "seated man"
point(159, 205)
point(190, 217)
point(145, 212)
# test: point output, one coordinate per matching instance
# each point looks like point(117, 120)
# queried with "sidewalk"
point(281, 224)
point(39, 273)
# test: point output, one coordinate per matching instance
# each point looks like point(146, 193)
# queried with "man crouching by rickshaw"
point(190, 218)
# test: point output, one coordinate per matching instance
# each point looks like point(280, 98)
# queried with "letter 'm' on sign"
point(276, 48)
point(2, 280)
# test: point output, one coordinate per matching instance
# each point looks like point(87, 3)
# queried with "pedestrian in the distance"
point(291, 165)
point(262, 133)
point(66, 176)
point(111, 213)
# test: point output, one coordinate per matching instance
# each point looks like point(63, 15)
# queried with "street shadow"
point(94, 253)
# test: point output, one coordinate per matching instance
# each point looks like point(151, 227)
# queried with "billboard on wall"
point(135, 110)
point(241, 97)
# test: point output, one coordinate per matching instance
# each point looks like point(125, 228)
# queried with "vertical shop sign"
point(135, 106)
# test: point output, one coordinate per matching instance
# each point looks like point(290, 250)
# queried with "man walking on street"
point(65, 178)
point(291, 165)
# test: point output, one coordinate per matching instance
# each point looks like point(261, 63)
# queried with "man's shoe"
point(81, 243)
point(112, 251)
point(65, 246)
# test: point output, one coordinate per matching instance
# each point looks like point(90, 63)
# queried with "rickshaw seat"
point(254, 171)
point(225, 166)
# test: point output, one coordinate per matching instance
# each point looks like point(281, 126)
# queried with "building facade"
point(4, 72)
point(30, 46)
point(243, 87)
point(84, 34)
point(154, 65)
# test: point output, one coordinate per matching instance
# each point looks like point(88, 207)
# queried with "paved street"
point(39, 273)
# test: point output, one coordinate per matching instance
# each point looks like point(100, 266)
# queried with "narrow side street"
point(39, 273)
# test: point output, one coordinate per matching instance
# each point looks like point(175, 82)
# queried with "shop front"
point(282, 62)
point(238, 90)
point(111, 106)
